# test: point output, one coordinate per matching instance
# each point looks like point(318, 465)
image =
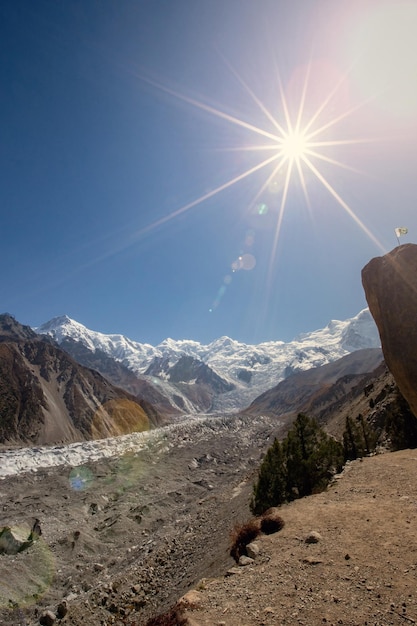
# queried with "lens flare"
point(81, 478)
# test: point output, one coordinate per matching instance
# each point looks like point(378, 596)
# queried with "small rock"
point(71, 596)
point(253, 549)
point(192, 599)
point(47, 619)
point(311, 560)
point(14, 540)
point(313, 537)
point(245, 560)
point(233, 571)
point(98, 567)
point(62, 609)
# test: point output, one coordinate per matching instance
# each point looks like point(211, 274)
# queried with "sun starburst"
point(296, 148)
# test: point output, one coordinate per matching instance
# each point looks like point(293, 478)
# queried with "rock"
point(253, 549)
point(311, 560)
point(98, 567)
point(36, 530)
point(245, 560)
point(47, 618)
point(234, 571)
point(313, 537)
point(390, 284)
point(14, 540)
point(191, 600)
point(62, 609)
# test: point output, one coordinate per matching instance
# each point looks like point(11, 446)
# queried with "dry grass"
point(241, 535)
point(171, 618)
point(271, 522)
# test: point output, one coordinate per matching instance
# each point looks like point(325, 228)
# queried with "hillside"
point(361, 571)
point(46, 397)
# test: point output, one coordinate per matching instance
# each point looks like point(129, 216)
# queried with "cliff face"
point(390, 284)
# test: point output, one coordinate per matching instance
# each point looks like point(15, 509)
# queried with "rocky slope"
point(123, 538)
point(46, 397)
point(297, 392)
point(360, 568)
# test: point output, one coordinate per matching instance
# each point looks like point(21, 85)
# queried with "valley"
point(135, 531)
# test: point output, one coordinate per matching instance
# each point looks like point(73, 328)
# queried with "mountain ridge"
point(248, 370)
point(47, 397)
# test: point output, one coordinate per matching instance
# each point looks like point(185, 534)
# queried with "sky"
point(199, 168)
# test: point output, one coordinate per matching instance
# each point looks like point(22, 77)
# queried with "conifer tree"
point(270, 489)
point(302, 465)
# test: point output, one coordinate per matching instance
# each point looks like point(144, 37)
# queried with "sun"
point(297, 145)
point(294, 145)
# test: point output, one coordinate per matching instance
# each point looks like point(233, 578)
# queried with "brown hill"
point(46, 397)
point(318, 387)
point(119, 375)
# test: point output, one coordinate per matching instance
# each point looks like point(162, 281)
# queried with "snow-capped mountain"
point(246, 370)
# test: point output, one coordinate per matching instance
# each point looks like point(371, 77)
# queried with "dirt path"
point(361, 572)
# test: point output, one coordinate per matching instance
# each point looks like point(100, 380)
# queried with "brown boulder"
point(390, 284)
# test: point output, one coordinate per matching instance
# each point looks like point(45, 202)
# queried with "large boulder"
point(390, 284)
point(14, 539)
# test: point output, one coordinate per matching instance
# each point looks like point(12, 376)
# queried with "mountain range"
point(62, 382)
point(185, 376)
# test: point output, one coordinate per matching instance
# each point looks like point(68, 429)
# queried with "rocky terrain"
point(123, 538)
point(316, 387)
point(120, 540)
point(346, 556)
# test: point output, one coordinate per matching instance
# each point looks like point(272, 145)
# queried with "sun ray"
point(254, 97)
point(342, 203)
point(279, 223)
point(204, 197)
point(336, 119)
point(326, 101)
point(212, 110)
point(323, 157)
point(302, 99)
point(297, 146)
point(345, 142)
point(303, 184)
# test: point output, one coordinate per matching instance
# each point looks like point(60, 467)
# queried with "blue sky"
point(119, 117)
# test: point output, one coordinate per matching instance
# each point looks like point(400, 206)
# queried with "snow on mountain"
point(252, 369)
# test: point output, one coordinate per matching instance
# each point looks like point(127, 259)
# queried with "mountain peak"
point(10, 329)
